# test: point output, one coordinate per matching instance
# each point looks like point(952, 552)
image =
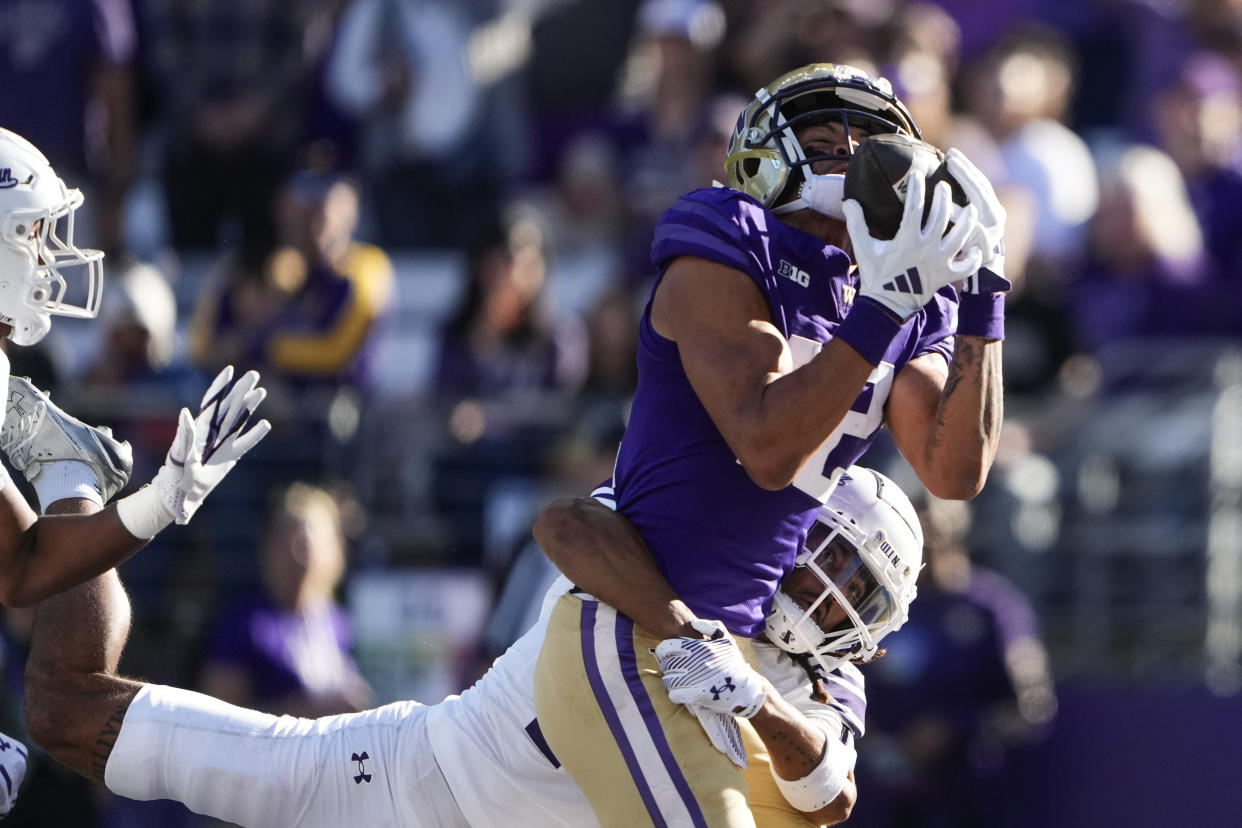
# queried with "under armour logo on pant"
point(361, 759)
point(908, 282)
point(728, 685)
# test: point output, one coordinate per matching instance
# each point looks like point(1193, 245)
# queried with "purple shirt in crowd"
point(285, 653)
point(51, 49)
point(948, 661)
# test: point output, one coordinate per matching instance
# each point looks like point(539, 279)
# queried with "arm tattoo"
point(964, 356)
point(969, 358)
point(792, 752)
point(105, 741)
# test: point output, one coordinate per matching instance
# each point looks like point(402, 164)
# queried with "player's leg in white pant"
point(374, 768)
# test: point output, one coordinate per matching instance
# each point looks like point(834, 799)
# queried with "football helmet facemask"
point(764, 150)
point(855, 576)
point(37, 251)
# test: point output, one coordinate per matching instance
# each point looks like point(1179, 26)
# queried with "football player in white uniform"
point(63, 458)
point(852, 584)
point(74, 468)
point(479, 758)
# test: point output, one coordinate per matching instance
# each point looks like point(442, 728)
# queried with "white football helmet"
point(855, 576)
point(36, 245)
point(764, 150)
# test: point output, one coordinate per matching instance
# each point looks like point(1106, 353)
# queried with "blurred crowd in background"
point(427, 223)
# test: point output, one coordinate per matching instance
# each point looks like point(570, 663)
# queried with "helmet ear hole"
point(750, 167)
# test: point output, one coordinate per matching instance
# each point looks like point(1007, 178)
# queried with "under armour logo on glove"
point(908, 282)
point(711, 674)
point(361, 759)
point(728, 685)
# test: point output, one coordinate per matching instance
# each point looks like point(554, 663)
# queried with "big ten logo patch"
point(793, 274)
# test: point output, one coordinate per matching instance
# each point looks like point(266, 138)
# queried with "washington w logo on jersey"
point(794, 274)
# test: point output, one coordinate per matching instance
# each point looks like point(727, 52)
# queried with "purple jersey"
point(723, 542)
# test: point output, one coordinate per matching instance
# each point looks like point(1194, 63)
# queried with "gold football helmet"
point(764, 150)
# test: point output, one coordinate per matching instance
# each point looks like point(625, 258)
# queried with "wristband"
point(981, 314)
point(823, 784)
point(869, 329)
point(143, 514)
point(63, 479)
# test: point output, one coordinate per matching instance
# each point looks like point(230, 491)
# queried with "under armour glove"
point(12, 771)
point(203, 451)
point(982, 309)
point(723, 732)
point(710, 674)
point(903, 273)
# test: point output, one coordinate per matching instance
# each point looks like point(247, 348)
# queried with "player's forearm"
point(966, 430)
point(63, 550)
point(601, 552)
point(800, 749)
point(798, 411)
point(795, 743)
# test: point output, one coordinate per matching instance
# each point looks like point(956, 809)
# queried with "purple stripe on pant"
point(589, 609)
point(629, 668)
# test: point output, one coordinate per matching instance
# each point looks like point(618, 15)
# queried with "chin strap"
point(821, 193)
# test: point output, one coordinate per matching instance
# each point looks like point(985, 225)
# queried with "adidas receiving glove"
point(12, 772)
point(990, 231)
point(903, 273)
point(982, 307)
point(203, 451)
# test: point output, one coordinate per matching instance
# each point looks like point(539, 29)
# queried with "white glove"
point(722, 730)
point(12, 771)
point(903, 273)
point(990, 235)
point(710, 674)
point(203, 451)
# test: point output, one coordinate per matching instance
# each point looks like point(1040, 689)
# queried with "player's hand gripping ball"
point(876, 179)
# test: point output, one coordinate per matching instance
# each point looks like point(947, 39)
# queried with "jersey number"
point(847, 442)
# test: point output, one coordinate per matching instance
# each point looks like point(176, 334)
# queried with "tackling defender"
point(68, 463)
point(852, 584)
point(767, 364)
point(479, 758)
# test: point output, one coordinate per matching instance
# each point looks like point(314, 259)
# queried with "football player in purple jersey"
point(777, 341)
